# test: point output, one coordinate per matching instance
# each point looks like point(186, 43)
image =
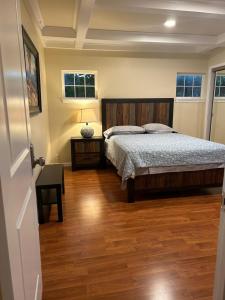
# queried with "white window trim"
point(74, 99)
point(218, 99)
point(191, 99)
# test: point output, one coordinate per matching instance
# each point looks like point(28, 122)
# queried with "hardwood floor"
point(107, 249)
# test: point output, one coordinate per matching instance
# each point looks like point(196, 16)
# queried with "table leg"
point(63, 184)
point(59, 203)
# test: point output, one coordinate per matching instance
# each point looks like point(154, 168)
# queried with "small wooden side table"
point(49, 189)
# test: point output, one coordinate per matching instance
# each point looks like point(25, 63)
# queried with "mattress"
point(141, 154)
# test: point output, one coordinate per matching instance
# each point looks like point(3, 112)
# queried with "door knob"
point(36, 161)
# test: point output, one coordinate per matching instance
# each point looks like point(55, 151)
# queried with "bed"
point(158, 162)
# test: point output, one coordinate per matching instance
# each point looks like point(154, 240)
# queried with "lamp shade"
point(88, 115)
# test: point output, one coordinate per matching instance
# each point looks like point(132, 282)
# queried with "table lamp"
point(87, 115)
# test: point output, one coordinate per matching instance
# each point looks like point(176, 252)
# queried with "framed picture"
point(32, 67)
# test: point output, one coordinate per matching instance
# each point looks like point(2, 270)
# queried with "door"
point(218, 111)
point(213, 132)
point(219, 285)
point(20, 267)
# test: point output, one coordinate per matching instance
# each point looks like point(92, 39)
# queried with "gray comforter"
point(130, 153)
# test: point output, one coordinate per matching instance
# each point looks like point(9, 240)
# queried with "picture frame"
point(32, 68)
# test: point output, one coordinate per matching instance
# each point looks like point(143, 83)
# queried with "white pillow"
point(117, 130)
point(157, 128)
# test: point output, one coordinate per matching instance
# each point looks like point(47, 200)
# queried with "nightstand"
point(87, 153)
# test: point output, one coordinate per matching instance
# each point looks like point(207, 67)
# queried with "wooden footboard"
point(174, 181)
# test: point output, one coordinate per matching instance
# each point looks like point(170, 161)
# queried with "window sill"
point(75, 100)
point(189, 100)
point(219, 99)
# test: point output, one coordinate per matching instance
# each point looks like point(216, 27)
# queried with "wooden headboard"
point(117, 112)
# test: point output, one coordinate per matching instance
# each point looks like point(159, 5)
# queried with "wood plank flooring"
point(107, 249)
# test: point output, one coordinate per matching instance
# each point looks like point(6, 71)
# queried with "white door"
point(20, 267)
point(219, 285)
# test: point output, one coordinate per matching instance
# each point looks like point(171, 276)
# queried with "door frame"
point(210, 98)
point(219, 281)
point(219, 278)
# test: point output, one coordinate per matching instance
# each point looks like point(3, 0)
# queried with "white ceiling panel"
point(153, 22)
point(131, 25)
point(57, 12)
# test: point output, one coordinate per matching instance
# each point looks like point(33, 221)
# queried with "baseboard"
point(67, 164)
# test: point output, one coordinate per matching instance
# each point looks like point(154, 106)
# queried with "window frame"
point(218, 99)
point(191, 99)
point(74, 99)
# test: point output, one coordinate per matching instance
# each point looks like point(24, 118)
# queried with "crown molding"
point(35, 13)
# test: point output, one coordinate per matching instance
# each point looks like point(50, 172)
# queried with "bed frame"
point(137, 111)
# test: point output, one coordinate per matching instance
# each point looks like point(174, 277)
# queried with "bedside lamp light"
point(87, 115)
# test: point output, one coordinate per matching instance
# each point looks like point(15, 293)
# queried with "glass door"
point(218, 113)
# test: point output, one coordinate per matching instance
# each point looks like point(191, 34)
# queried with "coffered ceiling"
point(130, 25)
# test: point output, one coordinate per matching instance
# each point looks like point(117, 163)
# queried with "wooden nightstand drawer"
point(87, 159)
point(87, 153)
point(87, 147)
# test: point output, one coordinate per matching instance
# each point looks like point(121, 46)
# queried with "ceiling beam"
point(148, 48)
point(60, 43)
point(205, 9)
point(82, 21)
point(141, 37)
point(220, 42)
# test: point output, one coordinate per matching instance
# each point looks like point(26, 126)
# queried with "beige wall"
point(39, 123)
point(118, 76)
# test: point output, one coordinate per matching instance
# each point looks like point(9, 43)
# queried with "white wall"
point(118, 76)
point(39, 123)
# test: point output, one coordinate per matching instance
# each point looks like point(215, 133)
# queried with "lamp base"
point(87, 132)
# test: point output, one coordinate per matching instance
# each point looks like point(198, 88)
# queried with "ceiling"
point(130, 25)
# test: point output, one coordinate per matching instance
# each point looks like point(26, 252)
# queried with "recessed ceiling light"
point(170, 23)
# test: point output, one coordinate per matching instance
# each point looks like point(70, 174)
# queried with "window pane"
point(79, 79)
point(223, 80)
point(69, 91)
point(197, 80)
point(188, 92)
point(217, 80)
point(196, 92)
point(80, 92)
point(69, 79)
point(90, 79)
point(188, 80)
point(180, 80)
point(180, 92)
point(217, 92)
point(222, 92)
point(90, 92)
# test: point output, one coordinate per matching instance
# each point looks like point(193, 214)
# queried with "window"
point(189, 85)
point(78, 84)
point(220, 86)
